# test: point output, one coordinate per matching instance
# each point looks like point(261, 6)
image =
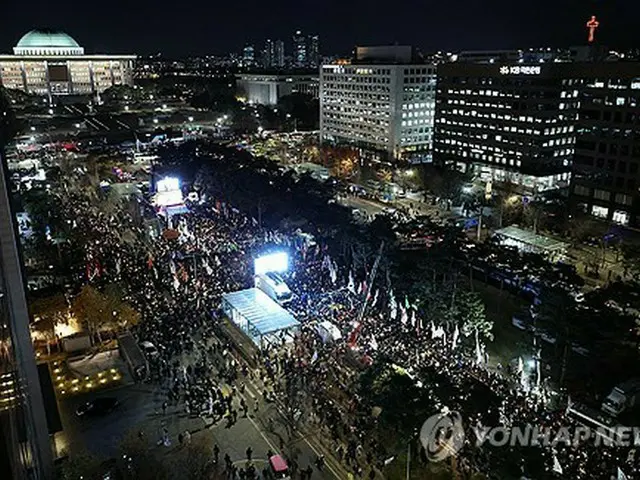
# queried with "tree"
point(557, 317)
point(93, 309)
point(8, 121)
point(137, 462)
point(444, 183)
point(194, 461)
point(81, 465)
point(631, 259)
point(47, 312)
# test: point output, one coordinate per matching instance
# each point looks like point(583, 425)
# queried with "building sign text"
point(518, 70)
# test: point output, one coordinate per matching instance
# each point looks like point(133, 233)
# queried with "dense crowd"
point(177, 285)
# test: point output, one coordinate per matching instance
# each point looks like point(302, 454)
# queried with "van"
point(274, 286)
point(328, 332)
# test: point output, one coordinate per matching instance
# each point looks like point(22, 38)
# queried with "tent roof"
point(530, 238)
point(264, 314)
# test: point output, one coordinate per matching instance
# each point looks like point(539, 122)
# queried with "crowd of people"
point(177, 285)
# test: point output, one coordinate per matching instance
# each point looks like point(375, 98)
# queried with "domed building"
point(50, 63)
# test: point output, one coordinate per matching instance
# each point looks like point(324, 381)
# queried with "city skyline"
point(205, 29)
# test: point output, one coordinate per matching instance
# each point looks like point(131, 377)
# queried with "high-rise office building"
point(268, 54)
point(51, 63)
point(606, 169)
point(299, 50)
point(25, 446)
point(248, 56)
point(313, 59)
point(382, 102)
point(279, 54)
point(512, 123)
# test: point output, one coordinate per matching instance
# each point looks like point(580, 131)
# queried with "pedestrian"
point(216, 453)
point(249, 453)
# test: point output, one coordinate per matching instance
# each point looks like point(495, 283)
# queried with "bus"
point(133, 356)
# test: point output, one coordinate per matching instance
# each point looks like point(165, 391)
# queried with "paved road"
point(141, 409)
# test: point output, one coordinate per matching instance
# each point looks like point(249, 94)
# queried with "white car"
point(149, 349)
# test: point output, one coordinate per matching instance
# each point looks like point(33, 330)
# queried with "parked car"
point(97, 407)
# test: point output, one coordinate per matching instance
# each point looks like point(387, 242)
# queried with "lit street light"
point(190, 119)
point(155, 120)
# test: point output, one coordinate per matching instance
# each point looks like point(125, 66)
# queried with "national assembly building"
point(51, 63)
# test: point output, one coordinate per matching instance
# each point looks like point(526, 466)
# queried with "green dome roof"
point(43, 38)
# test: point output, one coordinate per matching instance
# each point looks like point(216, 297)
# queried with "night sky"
point(210, 26)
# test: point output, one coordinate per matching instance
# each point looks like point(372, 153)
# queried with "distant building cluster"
point(267, 88)
point(303, 53)
point(51, 63)
point(539, 119)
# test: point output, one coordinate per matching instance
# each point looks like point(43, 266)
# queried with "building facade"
point(299, 50)
point(606, 178)
point(384, 107)
point(314, 51)
point(248, 56)
point(279, 54)
point(52, 63)
point(268, 54)
point(512, 123)
point(267, 89)
point(25, 443)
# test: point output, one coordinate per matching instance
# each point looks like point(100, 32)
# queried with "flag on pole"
point(437, 332)
point(557, 468)
point(333, 271)
point(351, 286)
point(454, 340)
point(375, 299)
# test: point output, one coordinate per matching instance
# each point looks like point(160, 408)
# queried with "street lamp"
point(155, 120)
point(190, 119)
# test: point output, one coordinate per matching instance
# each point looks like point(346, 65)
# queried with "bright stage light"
point(168, 184)
point(275, 262)
point(168, 192)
